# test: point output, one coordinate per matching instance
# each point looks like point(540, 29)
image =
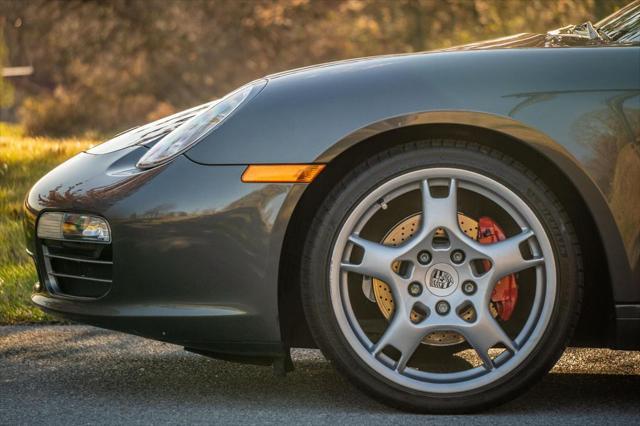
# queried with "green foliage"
point(107, 65)
point(6, 89)
point(22, 162)
point(9, 130)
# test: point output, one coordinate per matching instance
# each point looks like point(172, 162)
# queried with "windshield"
point(624, 25)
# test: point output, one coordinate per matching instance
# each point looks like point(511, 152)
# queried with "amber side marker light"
point(281, 173)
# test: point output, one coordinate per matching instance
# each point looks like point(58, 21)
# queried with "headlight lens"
point(149, 132)
point(196, 128)
point(72, 226)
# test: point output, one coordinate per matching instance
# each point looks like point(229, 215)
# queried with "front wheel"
point(440, 276)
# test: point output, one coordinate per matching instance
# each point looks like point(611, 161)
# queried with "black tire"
point(437, 153)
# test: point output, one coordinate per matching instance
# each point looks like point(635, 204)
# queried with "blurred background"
point(75, 72)
point(99, 67)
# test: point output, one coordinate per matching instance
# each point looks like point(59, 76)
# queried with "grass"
point(23, 160)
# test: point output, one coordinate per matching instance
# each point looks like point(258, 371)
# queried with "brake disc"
point(383, 296)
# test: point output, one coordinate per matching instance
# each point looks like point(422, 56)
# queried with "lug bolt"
point(469, 287)
point(415, 289)
point(442, 307)
point(457, 256)
point(424, 257)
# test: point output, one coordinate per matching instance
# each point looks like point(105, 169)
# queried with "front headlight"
point(196, 128)
point(73, 226)
point(148, 133)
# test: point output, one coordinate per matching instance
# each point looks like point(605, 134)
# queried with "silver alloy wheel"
point(483, 332)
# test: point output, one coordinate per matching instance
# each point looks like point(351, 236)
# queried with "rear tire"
point(325, 286)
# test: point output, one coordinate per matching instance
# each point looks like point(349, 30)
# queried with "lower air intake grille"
point(78, 269)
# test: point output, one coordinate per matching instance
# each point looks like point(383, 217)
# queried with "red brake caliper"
point(505, 293)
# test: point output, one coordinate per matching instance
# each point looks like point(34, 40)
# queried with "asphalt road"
point(77, 374)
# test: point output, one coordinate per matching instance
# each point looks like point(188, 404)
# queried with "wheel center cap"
point(441, 279)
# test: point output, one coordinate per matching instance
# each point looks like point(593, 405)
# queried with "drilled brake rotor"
point(398, 235)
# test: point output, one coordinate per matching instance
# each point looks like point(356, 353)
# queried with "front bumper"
point(195, 251)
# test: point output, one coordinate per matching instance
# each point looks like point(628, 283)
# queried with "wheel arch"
point(548, 159)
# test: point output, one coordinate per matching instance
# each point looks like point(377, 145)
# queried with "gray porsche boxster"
point(441, 225)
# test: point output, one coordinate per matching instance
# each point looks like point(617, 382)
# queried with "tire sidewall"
point(386, 166)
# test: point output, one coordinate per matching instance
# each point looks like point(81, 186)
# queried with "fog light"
point(72, 226)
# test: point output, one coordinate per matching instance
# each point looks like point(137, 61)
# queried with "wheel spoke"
point(439, 212)
point(376, 261)
point(506, 256)
point(403, 336)
point(485, 334)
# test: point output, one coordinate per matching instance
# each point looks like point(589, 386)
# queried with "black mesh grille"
point(78, 269)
